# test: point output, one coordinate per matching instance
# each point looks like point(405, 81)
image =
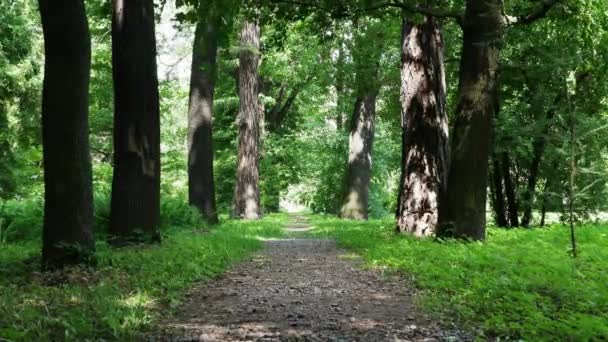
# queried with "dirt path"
point(302, 290)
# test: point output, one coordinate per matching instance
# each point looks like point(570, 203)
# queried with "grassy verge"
point(519, 284)
point(125, 294)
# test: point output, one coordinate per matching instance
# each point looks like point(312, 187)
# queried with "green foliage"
point(130, 290)
point(543, 88)
point(519, 284)
point(20, 52)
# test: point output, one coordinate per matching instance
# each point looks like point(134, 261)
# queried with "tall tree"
point(483, 28)
point(368, 47)
point(135, 204)
point(424, 162)
point(201, 185)
point(359, 170)
point(246, 203)
point(68, 196)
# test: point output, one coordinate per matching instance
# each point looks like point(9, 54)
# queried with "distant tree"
point(498, 193)
point(246, 202)
point(68, 200)
point(135, 204)
point(368, 46)
point(424, 163)
point(201, 185)
point(510, 190)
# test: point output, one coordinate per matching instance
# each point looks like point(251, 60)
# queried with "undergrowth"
point(125, 295)
point(519, 284)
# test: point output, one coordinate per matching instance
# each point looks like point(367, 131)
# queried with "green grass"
point(126, 294)
point(519, 284)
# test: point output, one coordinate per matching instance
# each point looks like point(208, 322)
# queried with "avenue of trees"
point(439, 113)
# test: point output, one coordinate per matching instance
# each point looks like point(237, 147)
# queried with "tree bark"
point(424, 162)
point(201, 185)
point(366, 59)
point(359, 169)
point(543, 209)
point(246, 204)
point(513, 207)
point(340, 65)
point(500, 213)
point(67, 236)
point(483, 27)
point(135, 204)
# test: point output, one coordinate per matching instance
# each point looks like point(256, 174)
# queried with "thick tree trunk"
point(424, 162)
point(201, 185)
point(500, 213)
point(67, 236)
point(135, 204)
point(359, 169)
point(510, 191)
point(477, 102)
point(246, 204)
point(366, 59)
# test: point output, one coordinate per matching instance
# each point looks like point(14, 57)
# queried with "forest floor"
point(302, 289)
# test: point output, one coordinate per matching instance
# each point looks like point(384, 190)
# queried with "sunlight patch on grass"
point(138, 300)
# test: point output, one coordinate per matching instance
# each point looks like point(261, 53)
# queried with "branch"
point(430, 11)
point(540, 13)
point(280, 109)
point(302, 3)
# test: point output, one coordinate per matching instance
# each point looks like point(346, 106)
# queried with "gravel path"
point(302, 290)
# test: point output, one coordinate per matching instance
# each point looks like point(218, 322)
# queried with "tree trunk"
point(273, 117)
point(543, 209)
point(135, 204)
point(424, 163)
point(550, 183)
point(201, 186)
point(500, 213)
point(483, 27)
point(246, 204)
point(510, 191)
point(67, 236)
point(359, 170)
point(539, 144)
point(340, 65)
